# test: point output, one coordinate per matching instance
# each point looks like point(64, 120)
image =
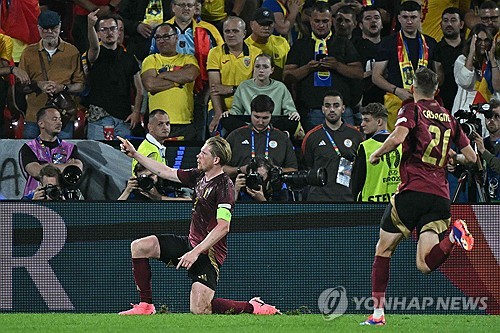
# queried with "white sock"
point(378, 313)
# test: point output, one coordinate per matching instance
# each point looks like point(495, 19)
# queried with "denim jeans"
point(31, 131)
point(95, 129)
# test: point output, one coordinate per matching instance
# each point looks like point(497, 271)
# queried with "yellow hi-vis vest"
point(382, 180)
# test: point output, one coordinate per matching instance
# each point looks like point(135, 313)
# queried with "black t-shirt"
point(446, 55)
point(368, 51)
point(311, 97)
point(110, 78)
point(388, 51)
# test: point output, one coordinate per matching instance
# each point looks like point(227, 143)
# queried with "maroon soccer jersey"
point(209, 196)
point(425, 149)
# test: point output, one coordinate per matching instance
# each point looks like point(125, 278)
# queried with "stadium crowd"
point(295, 86)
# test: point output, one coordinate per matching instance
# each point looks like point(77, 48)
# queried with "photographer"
point(258, 184)
point(144, 186)
point(52, 187)
point(489, 148)
point(47, 148)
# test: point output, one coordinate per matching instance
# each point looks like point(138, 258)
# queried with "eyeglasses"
point(165, 37)
point(185, 5)
point(110, 29)
point(52, 29)
point(486, 19)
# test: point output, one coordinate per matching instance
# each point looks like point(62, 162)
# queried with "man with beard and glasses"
point(112, 74)
point(332, 145)
point(47, 148)
point(63, 71)
point(446, 52)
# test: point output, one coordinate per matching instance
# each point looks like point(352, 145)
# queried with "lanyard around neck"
point(335, 148)
point(266, 152)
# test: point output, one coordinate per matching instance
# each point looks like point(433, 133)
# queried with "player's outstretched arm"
point(162, 170)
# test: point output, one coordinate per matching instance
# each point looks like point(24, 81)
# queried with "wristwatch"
point(234, 89)
point(238, 170)
point(65, 88)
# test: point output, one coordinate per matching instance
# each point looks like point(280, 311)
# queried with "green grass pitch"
point(74, 323)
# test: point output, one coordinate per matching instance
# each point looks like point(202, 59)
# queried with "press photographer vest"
point(57, 155)
point(382, 179)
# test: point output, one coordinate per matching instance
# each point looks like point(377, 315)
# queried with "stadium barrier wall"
point(75, 257)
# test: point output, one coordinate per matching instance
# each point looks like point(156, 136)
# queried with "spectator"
point(476, 71)
point(52, 187)
point(432, 15)
point(285, 15)
point(345, 22)
point(375, 183)
point(112, 74)
point(197, 39)
point(228, 65)
point(141, 17)
point(159, 130)
point(332, 145)
point(487, 14)
point(262, 84)
point(446, 52)
point(63, 71)
point(401, 62)
point(169, 79)
point(262, 37)
point(81, 10)
point(370, 23)
point(489, 148)
point(319, 62)
point(260, 138)
point(47, 148)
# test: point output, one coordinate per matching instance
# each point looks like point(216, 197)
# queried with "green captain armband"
point(224, 213)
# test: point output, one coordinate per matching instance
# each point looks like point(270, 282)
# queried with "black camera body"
point(52, 191)
point(145, 182)
point(253, 180)
point(469, 121)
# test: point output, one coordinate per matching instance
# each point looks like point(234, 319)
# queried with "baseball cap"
point(263, 15)
point(48, 19)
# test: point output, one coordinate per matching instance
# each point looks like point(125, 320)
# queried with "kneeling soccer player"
point(205, 249)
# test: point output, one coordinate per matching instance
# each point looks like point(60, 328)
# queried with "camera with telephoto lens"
point(298, 179)
point(145, 182)
point(253, 180)
point(469, 121)
point(71, 178)
point(52, 191)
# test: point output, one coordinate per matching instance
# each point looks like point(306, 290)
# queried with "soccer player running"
point(204, 250)
point(422, 201)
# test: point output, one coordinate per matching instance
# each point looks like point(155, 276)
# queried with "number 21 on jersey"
point(440, 143)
